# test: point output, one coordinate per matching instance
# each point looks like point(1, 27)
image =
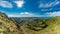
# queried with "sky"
point(30, 8)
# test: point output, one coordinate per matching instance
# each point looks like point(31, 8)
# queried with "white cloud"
point(27, 14)
point(53, 13)
point(49, 4)
point(13, 15)
point(23, 14)
point(47, 9)
point(10, 15)
point(6, 4)
point(19, 3)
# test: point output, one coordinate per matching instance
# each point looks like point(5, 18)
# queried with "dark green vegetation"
point(36, 25)
point(29, 25)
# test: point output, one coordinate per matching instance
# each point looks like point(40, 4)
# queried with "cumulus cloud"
point(19, 3)
point(49, 4)
point(53, 13)
point(5, 4)
point(25, 13)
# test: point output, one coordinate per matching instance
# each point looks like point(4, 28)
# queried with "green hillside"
point(29, 25)
point(44, 26)
point(7, 26)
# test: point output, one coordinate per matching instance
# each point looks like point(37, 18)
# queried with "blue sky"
point(30, 8)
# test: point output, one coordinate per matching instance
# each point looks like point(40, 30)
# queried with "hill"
point(44, 26)
point(7, 25)
point(29, 25)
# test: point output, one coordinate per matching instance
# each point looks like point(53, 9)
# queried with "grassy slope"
point(7, 26)
point(53, 27)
